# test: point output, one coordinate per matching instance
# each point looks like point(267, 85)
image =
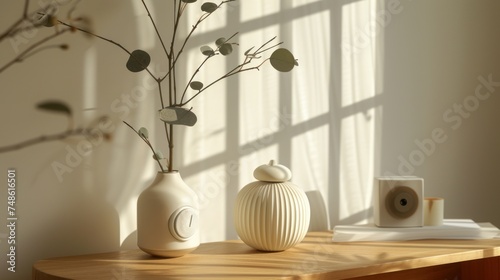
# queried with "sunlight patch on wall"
point(360, 121)
point(311, 99)
point(128, 218)
point(358, 53)
point(258, 91)
point(145, 33)
point(89, 90)
point(210, 187)
point(357, 150)
point(252, 10)
point(310, 161)
point(259, 114)
point(298, 3)
point(208, 136)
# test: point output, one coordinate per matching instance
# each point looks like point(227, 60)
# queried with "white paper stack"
point(451, 229)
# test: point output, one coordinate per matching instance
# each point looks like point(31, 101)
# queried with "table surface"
point(315, 257)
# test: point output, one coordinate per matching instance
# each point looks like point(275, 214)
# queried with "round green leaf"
point(188, 1)
point(158, 155)
point(54, 106)
point(209, 7)
point(178, 115)
point(196, 85)
point(282, 60)
point(220, 41)
point(207, 50)
point(226, 49)
point(138, 61)
point(168, 115)
point(143, 132)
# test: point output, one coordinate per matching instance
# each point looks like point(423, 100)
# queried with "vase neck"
point(173, 176)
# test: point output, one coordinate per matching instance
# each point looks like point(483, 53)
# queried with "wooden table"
point(317, 257)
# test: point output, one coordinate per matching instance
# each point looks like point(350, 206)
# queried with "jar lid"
point(272, 172)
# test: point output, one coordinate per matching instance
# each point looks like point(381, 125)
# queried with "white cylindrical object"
point(433, 211)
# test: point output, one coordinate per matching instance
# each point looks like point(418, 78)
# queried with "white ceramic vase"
point(272, 214)
point(167, 217)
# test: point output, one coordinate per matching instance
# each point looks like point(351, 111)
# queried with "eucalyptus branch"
point(272, 47)
point(192, 77)
point(259, 50)
point(155, 155)
point(236, 70)
point(230, 73)
point(107, 40)
point(171, 57)
point(171, 149)
point(160, 93)
point(193, 28)
point(174, 86)
point(155, 27)
point(177, 18)
point(201, 65)
point(170, 100)
point(182, 7)
point(163, 106)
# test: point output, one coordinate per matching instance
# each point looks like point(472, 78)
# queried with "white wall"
point(437, 53)
point(337, 120)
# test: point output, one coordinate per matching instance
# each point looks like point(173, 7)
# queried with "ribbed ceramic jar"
point(167, 217)
point(272, 214)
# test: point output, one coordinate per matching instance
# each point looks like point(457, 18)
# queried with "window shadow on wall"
point(348, 120)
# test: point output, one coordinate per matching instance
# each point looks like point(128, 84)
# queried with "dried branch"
point(105, 39)
point(30, 50)
point(193, 28)
point(24, 16)
point(236, 70)
point(201, 65)
point(146, 140)
point(17, 28)
point(155, 27)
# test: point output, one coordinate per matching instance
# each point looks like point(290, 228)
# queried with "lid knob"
point(272, 172)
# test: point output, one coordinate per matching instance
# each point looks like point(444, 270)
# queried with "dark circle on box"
point(401, 202)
